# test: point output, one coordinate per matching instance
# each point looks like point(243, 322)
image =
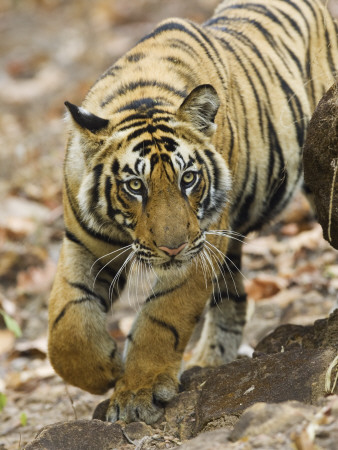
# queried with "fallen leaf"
point(36, 279)
point(7, 340)
point(264, 286)
point(30, 349)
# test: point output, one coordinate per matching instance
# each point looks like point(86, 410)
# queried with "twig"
point(71, 401)
point(334, 164)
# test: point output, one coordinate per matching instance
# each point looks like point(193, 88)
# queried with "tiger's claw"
point(144, 404)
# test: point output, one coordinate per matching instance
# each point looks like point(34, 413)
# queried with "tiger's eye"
point(188, 178)
point(135, 184)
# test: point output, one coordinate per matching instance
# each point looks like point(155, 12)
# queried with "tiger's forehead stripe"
point(134, 85)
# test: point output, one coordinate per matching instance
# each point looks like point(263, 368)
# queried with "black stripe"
point(140, 118)
point(169, 327)
point(86, 228)
point(294, 58)
point(169, 26)
point(234, 260)
point(296, 110)
point(292, 22)
point(110, 211)
point(218, 200)
point(143, 147)
point(136, 133)
point(161, 294)
point(245, 40)
point(221, 348)
point(232, 140)
point(96, 188)
point(184, 46)
point(115, 167)
point(69, 304)
point(70, 236)
point(242, 218)
point(154, 159)
point(258, 98)
point(229, 330)
point(239, 298)
point(130, 87)
point(300, 11)
point(211, 45)
point(111, 71)
point(135, 57)
point(142, 103)
point(82, 287)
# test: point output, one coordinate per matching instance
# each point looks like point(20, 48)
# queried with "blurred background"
point(52, 51)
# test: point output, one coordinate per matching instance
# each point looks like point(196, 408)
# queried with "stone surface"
point(322, 334)
point(321, 163)
point(281, 426)
point(211, 440)
point(78, 435)
point(180, 415)
point(294, 375)
point(248, 399)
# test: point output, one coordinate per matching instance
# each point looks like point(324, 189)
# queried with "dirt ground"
point(52, 51)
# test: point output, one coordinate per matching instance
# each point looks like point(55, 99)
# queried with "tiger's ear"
point(200, 108)
point(85, 119)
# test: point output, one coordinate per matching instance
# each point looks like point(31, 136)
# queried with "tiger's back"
point(196, 130)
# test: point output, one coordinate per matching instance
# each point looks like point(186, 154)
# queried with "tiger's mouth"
point(179, 261)
point(173, 264)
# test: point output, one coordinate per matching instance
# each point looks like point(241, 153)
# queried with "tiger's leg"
point(155, 348)
point(225, 317)
point(80, 348)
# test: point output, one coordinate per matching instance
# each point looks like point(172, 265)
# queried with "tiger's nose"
point(173, 251)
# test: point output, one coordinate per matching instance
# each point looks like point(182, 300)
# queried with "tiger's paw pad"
point(141, 404)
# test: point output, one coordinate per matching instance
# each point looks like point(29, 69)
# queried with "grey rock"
point(281, 426)
point(322, 334)
point(259, 400)
point(321, 161)
point(78, 435)
point(294, 375)
point(211, 440)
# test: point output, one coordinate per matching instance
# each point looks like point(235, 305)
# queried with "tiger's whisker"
point(219, 263)
point(215, 273)
point(109, 254)
point(107, 264)
point(117, 276)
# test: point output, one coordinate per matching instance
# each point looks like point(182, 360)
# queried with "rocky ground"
point(52, 51)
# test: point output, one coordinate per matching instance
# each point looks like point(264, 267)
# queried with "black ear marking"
point(200, 108)
point(85, 119)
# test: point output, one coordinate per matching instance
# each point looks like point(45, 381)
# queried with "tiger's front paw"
point(145, 402)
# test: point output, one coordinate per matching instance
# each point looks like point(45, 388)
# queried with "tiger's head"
point(154, 174)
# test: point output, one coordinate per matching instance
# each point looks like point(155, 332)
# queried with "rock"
point(263, 400)
point(276, 426)
point(270, 419)
point(78, 435)
point(322, 334)
point(294, 424)
point(211, 440)
point(137, 430)
point(180, 415)
point(321, 163)
point(294, 375)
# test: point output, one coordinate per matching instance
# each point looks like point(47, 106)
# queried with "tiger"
point(186, 144)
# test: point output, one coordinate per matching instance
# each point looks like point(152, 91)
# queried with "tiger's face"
point(162, 182)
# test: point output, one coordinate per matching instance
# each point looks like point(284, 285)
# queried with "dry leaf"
point(36, 279)
point(7, 340)
point(264, 286)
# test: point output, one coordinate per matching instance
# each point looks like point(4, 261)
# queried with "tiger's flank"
point(187, 143)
